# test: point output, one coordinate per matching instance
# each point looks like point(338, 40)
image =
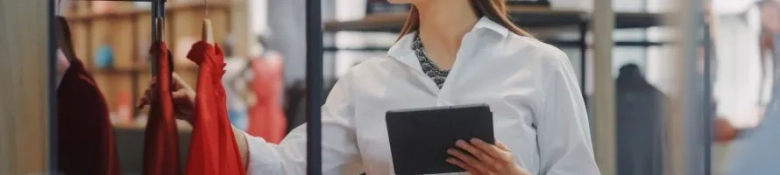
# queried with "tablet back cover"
point(419, 139)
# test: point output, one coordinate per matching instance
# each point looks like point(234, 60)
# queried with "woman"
point(756, 152)
point(450, 52)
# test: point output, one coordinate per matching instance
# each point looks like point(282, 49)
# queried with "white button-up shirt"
point(530, 87)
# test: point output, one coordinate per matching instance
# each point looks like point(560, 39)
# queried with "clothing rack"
point(314, 79)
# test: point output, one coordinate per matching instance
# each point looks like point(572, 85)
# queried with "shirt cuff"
point(263, 158)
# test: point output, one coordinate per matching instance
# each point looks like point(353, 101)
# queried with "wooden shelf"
point(114, 70)
point(169, 7)
point(523, 16)
point(559, 43)
point(131, 127)
point(140, 68)
point(637, 20)
point(380, 23)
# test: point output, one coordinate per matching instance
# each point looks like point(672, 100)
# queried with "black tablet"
point(419, 138)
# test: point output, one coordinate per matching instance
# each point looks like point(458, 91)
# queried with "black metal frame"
point(314, 86)
point(583, 44)
point(708, 106)
point(52, 89)
point(158, 14)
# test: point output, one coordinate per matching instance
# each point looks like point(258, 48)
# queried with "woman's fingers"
point(478, 153)
point(148, 94)
point(487, 158)
point(180, 96)
point(461, 164)
point(467, 159)
point(180, 83)
point(501, 146)
point(502, 158)
point(490, 149)
point(143, 102)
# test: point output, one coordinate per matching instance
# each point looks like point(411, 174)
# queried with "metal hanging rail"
point(158, 24)
point(158, 13)
point(314, 79)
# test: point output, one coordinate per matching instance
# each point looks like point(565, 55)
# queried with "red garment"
point(161, 143)
point(213, 148)
point(266, 117)
point(85, 139)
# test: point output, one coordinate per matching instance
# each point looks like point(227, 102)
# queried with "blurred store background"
point(264, 43)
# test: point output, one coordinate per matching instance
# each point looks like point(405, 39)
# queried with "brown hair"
point(492, 9)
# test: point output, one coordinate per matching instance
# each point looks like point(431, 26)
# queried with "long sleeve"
point(563, 132)
point(339, 147)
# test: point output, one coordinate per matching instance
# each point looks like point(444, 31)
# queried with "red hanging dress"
point(85, 139)
point(213, 148)
point(161, 144)
point(266, 117)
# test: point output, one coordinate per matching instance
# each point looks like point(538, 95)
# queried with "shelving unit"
point(524, 17)
point(138, 68)
point(126, 29)
point(169, 8)
point(533, 19)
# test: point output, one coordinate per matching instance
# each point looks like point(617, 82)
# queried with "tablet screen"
point(419, 138)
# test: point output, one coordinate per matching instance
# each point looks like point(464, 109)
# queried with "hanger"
point(208, 32)
point(63, 35)
point(160, 30)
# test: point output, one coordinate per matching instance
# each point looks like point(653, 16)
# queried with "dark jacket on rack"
point(639, 119)
point(85, 139)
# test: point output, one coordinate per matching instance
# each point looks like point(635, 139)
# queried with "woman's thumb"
point(179, 95)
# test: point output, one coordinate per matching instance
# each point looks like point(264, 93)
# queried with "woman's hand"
point(724, 132)
point(487, 159)
point(183, 98)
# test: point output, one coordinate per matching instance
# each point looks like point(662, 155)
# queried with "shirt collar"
point(403, 46)
point(486, 23)
point(402, 49)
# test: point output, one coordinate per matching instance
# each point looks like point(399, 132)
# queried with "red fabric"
point(161, 147)
point(85, 139)
point(266, 117)
point(213, 148)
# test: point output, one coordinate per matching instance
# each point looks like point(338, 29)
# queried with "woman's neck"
point(443, 23)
